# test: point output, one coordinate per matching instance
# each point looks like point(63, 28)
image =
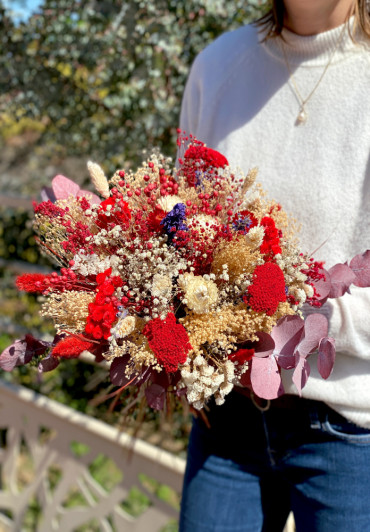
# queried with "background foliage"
point(106, 78)
point(88, 79)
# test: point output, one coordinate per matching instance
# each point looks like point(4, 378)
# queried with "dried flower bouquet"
point(189, 281)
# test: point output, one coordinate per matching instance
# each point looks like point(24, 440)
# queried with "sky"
point(22, 9)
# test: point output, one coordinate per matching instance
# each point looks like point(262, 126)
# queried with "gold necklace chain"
point(303, 115)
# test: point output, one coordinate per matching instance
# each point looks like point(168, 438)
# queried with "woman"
point(291, 95)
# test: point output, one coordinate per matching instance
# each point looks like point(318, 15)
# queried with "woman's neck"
point(310, 17)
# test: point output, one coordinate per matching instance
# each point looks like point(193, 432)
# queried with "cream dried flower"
point(201, 294)
point(124, 327)
point(98, 178)
point(167, 203)
point(255, 236)
point(161, 286)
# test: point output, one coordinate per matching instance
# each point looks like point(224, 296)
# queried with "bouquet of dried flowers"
point(189, 281)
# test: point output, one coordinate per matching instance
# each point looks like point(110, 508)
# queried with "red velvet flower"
point(207, 156)
point(199, 158)
point(267, 289)
point(271, 239)
point(169, 341)
point(71, 347)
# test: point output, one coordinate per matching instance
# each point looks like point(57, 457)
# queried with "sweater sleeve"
point(350, 323)
point(191, 101)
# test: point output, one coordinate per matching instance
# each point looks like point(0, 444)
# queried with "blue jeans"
point(251, 468)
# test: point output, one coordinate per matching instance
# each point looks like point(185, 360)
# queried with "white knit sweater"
point(240, 100)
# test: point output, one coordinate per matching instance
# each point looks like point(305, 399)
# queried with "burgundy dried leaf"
point(48, 364)
point(117, 371)
point(155, 395)
point(360, 265)
point(264, 346)
point(315, 327)
point(37, 346)
point(301, 374)
point(326, 358)
point(265, 378)
point(341, 277)
point(118, 377)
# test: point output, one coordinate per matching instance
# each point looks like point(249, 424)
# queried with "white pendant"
point(302, 116)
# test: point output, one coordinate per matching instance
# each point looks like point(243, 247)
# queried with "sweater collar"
point(315, 50)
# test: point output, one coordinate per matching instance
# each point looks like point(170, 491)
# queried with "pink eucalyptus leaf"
point(341, 277)
point(323, 286)
point(90, 196)
point(287, 361)
point(316, 326)
point(16, 354)
point(155, 395)
point(301, 374)
point(63, 187)
point(47, 194)
point(326, 358)
point(12, 355)
point(287, 334)
point(265, 345)
point(360, 265)
point(265, 378)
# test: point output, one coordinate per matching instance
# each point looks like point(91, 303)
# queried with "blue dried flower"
point(174, 221)
point(242, 223)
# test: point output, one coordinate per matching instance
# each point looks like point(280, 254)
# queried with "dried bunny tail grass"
point(248, 182)
point(98, 178)
point(68, 310)
point(238, 256)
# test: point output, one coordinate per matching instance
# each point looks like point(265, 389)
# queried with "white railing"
point(39, 468)
point(38, 439)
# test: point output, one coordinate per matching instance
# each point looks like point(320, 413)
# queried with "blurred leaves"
point(106, 78)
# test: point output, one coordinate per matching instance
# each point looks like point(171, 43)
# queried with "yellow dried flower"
point(238, 256)
point(68, 310)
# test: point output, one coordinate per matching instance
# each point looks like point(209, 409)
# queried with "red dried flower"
point(71, 347)
point(271, 239)
point(33, 282)
point(241, 356)
point(154, 220)
point(207, 156)
point(119, 213)
point(267, 289)
point(199, 158)
point(47, 208)
point(169, 341)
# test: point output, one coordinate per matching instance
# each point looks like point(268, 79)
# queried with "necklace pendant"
point(302, 116)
